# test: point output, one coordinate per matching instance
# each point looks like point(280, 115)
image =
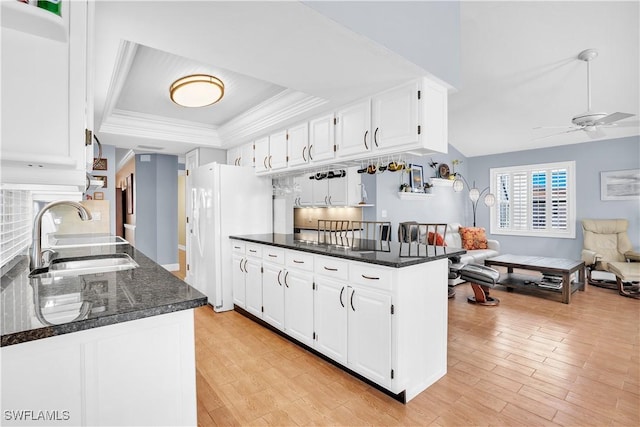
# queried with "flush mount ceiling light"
point(197, 90)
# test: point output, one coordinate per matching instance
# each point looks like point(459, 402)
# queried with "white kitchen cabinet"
point(241, 155)
point(46, 104)
point(261, 152)
point(394, 118)
point(278, 150)
point(298, 296)
point(322, 138)
point(298, 144)
point(91, 377)
point(353, 129)
point(330, 318)
point(239, 278)
point(273, 294)
point(305, 195)
point(253, 283)
point(337, 191)
point(369, 334)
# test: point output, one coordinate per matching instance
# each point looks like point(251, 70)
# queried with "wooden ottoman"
point(626, 272)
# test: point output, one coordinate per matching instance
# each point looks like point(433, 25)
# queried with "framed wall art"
point(416, 177)
point(99, 164)
point(102, 178)
point(129, 193)
point(620, 185)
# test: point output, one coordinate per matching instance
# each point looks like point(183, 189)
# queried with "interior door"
point(191, 163)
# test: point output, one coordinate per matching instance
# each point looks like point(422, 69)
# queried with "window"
point(534, 200)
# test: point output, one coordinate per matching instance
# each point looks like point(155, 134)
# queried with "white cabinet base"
point(140, 372)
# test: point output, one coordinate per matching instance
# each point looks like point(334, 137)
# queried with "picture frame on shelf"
point(620, 185)
point(98, 195)
point(102, 178)
point(99, 164)
point(416, 178)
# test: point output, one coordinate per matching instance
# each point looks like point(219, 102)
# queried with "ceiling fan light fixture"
point(196, 90)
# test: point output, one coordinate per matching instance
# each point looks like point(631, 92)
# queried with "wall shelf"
point(441, 182)
point(33, 20)
point(405, 195)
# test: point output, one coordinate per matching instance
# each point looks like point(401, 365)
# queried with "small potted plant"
point(405, 188)
point(427, 187)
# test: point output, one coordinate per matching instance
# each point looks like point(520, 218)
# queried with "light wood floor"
point(529, 361)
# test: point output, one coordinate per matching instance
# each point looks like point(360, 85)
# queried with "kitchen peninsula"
point(113, 348)
point(376, 309)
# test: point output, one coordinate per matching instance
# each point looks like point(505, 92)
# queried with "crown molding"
point(276, 110)
point(125, 159)
point(141, 125)
point(124, 60)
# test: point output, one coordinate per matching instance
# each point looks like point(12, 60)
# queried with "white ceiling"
point(283, 62)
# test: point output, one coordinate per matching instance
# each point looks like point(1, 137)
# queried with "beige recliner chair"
point(609, 256)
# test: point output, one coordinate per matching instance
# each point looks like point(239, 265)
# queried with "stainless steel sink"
point(77, 266)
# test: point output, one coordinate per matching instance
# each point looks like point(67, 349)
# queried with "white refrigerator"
point(225, 200)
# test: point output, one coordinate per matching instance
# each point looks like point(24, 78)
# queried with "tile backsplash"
point(15, 223)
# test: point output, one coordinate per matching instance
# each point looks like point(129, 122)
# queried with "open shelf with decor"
point(34, 20)
point(406, 195)
point(441, 182)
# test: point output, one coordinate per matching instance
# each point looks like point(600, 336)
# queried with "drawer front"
point(237, 246)
point(335, 268)
point(370, 275)
point(254, 250)
point(299, 260)
point(273, 254)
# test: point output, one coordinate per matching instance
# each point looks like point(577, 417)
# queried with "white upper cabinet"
point(278, 150)
point(394, 118)
point(261, 152)
point(46, 105)
point(298, 144)
point(353, 129)
point(241, 155)
point(321, 138)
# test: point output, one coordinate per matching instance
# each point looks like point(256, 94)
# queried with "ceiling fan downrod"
point(587, 55)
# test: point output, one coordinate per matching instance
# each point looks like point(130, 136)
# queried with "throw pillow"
point(473, 238)
point(439, 240)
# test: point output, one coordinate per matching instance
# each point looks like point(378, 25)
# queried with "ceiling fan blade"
point(628, 123)
point(613, 117)
point(554, 127)
point(556, 134)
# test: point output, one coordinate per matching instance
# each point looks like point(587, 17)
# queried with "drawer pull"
point(273, 256)
point(370, 278)
point(252, 250)
point(298, 262)
point(330, 269)
point(236, 247)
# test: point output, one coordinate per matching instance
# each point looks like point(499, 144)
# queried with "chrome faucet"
point(36, 245)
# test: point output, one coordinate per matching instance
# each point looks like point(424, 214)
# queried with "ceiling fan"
point(591, 122)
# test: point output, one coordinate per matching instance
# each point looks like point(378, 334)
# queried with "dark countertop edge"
point(86, 324)
point(409, 261)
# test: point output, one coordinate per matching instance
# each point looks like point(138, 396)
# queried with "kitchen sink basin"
point(77, 266)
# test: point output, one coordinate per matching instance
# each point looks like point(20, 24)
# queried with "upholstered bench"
point(626, 272)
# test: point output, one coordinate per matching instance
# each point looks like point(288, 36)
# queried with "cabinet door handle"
point(298, 262)
point(270, 162)
point(365, 139)
point(264, 162)
point(370, 278)
point(375, 137)
point(352, 294)
point(325, 200)
point(279, 273)
point(330, 268)
point(329, 199)
point(303, 151)
point(341, 292)
point(240, 265)
point(245, 265)
point(310, 156)
point(285, 279)
point(239, 160)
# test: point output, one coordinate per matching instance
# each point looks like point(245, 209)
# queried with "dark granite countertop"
point(390, 254)
point(35, 308)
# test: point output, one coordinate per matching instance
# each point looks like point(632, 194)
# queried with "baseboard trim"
point(171, 267)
